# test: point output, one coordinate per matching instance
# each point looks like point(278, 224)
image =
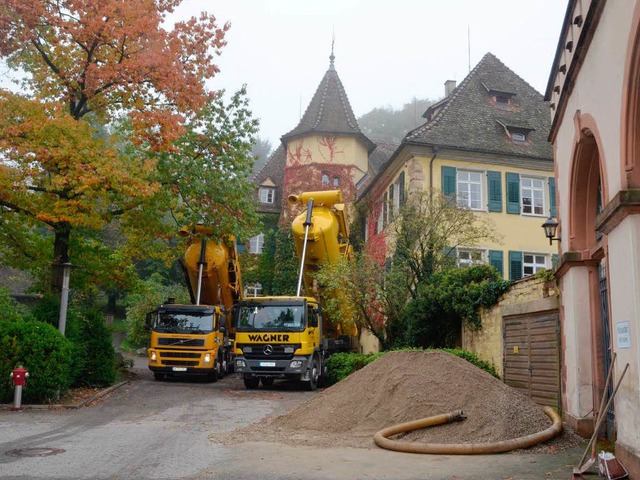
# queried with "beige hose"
point(381, 438)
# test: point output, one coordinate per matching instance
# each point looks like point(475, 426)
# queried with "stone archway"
point(588, 194)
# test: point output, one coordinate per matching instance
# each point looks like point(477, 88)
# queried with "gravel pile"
point(401, 387)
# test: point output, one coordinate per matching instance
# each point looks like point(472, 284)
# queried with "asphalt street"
point(159, 430)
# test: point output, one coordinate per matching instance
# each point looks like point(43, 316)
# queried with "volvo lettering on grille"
point(268, 349)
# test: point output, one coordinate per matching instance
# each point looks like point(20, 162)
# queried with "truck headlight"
point(153, 357)
point(241, 363)
point(296, 364)
point(207, 358)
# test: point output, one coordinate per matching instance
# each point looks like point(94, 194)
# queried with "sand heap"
point(401, 387)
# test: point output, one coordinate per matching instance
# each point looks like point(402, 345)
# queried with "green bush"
point(95, 343)
point(10, 310)
point(474, 359)
point(341, 365)
point(47, 310)
point(43, 351)
point(93, 357)
point(150, 294)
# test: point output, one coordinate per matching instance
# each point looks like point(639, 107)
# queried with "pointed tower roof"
point(329, 112)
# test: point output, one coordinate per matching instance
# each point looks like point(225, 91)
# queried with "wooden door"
point(532, 356)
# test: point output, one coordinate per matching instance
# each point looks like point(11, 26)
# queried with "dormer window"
point(500, 98)
point(518, 137)
point(267, 194)
point(325, 178)
point(516, 133)
point(336, 182)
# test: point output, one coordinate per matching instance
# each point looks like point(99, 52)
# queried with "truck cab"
point(189, 340)
point(279, 338)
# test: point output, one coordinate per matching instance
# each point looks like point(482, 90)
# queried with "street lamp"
point(550, 229)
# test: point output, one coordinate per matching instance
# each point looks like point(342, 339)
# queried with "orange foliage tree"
point(85, 59)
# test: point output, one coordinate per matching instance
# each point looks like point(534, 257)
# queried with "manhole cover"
point(34, 452)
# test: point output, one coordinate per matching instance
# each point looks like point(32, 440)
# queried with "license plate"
point(267, 364)
point(179, 369)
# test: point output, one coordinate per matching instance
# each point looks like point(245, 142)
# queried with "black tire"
point(159, 376)
point(314, 374)
point(251, 383)
point(267, 381)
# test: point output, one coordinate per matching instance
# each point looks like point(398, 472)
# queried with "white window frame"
point(256, 244)
point(465, 257)
point(531, 190)
point(253, 290)
point(267, 194)
point(336, 181)
point(325, 178)
point(467, 202)
point(535, 263)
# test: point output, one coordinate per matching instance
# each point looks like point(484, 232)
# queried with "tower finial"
point(332, 56)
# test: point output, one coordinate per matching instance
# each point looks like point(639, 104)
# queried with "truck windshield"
point(179, 322)
point(271, 318)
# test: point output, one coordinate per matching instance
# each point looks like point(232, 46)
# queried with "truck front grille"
point(179, 355)
point(181, 342)
point(258, 351)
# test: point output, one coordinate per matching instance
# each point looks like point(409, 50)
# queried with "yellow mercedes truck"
point(287, 337)
point(197, 340)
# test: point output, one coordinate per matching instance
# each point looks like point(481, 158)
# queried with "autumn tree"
point(429, 228)
point(386, 295)
point(101, 60)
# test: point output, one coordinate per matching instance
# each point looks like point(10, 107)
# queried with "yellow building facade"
point(486, 143)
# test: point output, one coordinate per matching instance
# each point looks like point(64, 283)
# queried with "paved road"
point(152, 430)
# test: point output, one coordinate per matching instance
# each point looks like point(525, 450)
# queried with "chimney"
point(449, 86)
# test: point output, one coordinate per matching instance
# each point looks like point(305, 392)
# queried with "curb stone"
point(76, 406)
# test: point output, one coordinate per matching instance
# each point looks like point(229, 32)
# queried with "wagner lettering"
point(269, 337)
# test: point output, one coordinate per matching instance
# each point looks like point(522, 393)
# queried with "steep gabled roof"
point(329, 112)
point(468, 120)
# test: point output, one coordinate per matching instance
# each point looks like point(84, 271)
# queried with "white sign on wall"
point(624, 334)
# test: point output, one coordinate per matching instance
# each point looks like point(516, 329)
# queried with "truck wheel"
point(220, 366)
point(251, 383)
point(312, 383)
point(267, 381)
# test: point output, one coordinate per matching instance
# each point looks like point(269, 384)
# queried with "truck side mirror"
point(147, 322)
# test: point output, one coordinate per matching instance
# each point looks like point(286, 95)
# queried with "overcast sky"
point(386, 51)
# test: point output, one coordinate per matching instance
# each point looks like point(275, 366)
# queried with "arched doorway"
point(588, 195)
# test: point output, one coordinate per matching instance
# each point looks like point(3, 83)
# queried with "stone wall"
point(528, 295)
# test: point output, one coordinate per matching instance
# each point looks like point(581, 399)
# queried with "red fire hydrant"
point(19, 377)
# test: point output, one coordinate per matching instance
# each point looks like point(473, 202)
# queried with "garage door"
point(532, 356)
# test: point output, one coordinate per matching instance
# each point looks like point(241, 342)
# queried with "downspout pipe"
point(381, 438)
point(435, 154)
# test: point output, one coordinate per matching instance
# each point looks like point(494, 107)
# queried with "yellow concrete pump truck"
point(286, 337)
point(197, 340)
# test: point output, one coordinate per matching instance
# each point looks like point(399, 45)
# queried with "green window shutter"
point(496, 260)
point(513, 193)
point(494, 180)
point(552, 196)
point(401, 188)
point(449, 181)
point(554, 260)
point(515, 265)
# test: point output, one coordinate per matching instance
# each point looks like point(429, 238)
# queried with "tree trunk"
point(62, 233)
